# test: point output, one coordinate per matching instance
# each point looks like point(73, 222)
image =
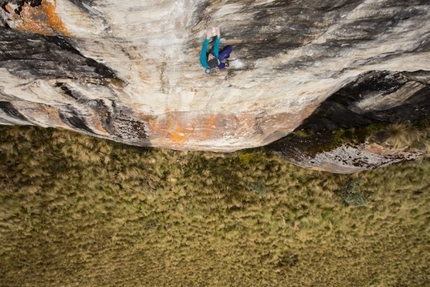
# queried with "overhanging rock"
point(128, 70)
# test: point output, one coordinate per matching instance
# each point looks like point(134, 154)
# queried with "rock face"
point(129, 70)
point(348, 132)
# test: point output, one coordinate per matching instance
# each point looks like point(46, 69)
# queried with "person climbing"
point(215, 58)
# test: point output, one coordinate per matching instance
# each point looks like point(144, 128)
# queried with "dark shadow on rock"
point(11, 111)
point(346, 119)
point(33, 56)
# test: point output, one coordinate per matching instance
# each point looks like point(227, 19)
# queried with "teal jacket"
point(203, 52)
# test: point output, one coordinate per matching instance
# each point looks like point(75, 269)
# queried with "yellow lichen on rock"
point(40, 19)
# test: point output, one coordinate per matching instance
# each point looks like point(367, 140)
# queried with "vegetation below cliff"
point(76, 210)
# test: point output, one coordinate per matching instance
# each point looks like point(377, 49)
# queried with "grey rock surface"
point(348, 132)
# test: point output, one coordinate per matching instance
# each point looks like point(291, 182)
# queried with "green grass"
point(80, 211)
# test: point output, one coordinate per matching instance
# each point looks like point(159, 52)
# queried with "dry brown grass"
point(405, 135)
point(87, 212)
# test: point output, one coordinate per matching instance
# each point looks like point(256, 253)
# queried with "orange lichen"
point(209, 125)
point(174, 129)
point(40, 19)
point(375, 148)
point(179, 128)
point(176, 132)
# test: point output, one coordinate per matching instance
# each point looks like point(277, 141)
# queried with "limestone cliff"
point(129, 70)
point(379, 119)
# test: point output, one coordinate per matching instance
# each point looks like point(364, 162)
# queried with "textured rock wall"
point(129, 71)
point(348, 132)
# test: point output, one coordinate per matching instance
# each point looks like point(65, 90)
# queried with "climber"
point(214, 58)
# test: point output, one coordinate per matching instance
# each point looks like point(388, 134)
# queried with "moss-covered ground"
point(81, 211)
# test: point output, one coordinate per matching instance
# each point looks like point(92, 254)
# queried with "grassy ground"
point(80, 211)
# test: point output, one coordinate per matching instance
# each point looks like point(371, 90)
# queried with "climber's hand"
point(209, 33)
point(217, 31)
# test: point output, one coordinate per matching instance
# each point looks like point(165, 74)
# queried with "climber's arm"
point(215, 49)
point(203, 56)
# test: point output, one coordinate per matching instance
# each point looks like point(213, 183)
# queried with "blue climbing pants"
point(224, 54)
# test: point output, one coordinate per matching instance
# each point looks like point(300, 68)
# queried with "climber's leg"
point(225, 53)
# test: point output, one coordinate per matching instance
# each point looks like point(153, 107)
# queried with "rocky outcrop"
point(128, 70)
point(357, 128)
